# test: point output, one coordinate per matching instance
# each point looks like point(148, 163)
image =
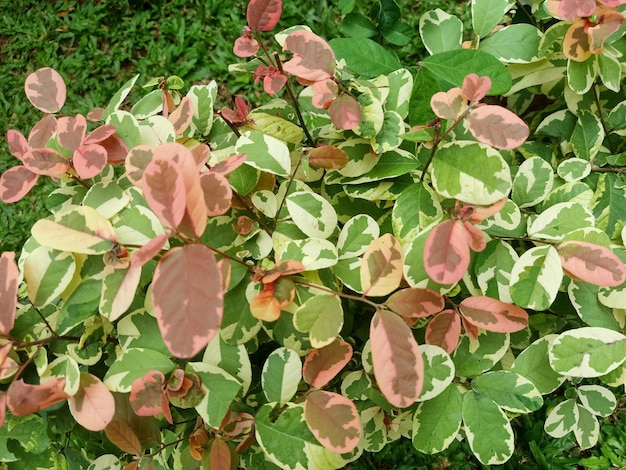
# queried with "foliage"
point(376, 252)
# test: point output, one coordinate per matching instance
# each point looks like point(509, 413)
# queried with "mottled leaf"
point(493, 315)
point(333, 419)
point(45, 89)
point(381, 269)
point(9, 275)
point(93, 406)
point(263, 15)
point(322, 365)
point(592, 263)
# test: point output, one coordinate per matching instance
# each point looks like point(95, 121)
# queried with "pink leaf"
point(18, 145)
point(182, 115)
point(8, 367)
point(126, 289)
point(480, 213)
point(449, 104)
point(446, 252)
point(9, 275)
point(95, 115)
point(164, 189)
point(71, 131)
point(444, 330)
point(610, 22)
point(245, 46)
point(572, 9)
point(99, 134)
point(93, 406)
point(273, 82)
point(3, 407)
point(612, 3)
point(42, 132)
point(15, 183)
point(46, 162)
point(382, 268)
point(188, 299)
point(45, 90)
point(345, 112)
point(24, 399)
point(475, 237)
point(217, 193)
point(497, 126)
point(416, 302)
point(148, 397)
point(324, 92)
point(333, 420)
point(229, 164)
point(148, 251)
point(592, 263)
point(263, 15)
point(328, 157)
point(493, 315)
point(313, 59)
point(136, 162)
point(89, 160)
point(398, 363)
point(322, 365)
point(200, 154)
point(474, 87)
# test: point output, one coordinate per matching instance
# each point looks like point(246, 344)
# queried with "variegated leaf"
point(9, 275)
point(440, 31)
point(312, 214)
point(456, 175)
point(493, 315)
point(47, 273)
point(597, 399)
point(313, 59)
point(446, 252)
point(333, 419)
point(587, 352)
point(436, 422)
point(414, 302)
point(381, 269)
point(263, 15)
point(322, 365)
point(532, 183)
point(592, 263)
point(265, 153)
point(438, 371)
point(321, 317)
point(536, 278)
point(509, 390)
point(356, 235)
point(281, 375)
point(444, 330)
point(497, 126)
point(533, 363)
point(93, 406)
point(15, 183)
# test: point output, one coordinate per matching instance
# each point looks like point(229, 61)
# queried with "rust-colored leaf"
point(333, 420)
point(265, 306)
point(444, 330)
point(398, 363)
point(188, 298)
point(328, 157)
point(416, 302)
point(220, 455)
point(123, 436)
point(148, 397)
point(198, 441)
point(322, 365)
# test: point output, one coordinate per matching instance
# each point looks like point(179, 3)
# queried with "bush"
point(376, 252)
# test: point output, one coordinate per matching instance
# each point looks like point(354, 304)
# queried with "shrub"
point(376, 252)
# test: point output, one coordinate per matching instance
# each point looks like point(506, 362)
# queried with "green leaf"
point(231, 358)
point(587, 429)
point(584, 298)
point(321, 317)
point(281, 375)
point(119, 97)
point(574, 169)
point(203, 99)
point(587, 352)
point(486, 14)
point(356, 235)
point(148, 105)
point(536, 278)
point(357, 25)
point(587, 136)
point(28, 433)
point(79, 306)
point(452, 67)
point(425, 85)
point(456, 173)
point(561, 420)
point(365, 57)
point(509, 390)
point(440, 31)
point(287, 441)
point(493, 268)
point(608, 205)
point(416, 209)
point(487, 429)
point(437, 421)
point(126, 127)
point(581, 75)
point(533, 363)
point(517, 43)
point(313, 253)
